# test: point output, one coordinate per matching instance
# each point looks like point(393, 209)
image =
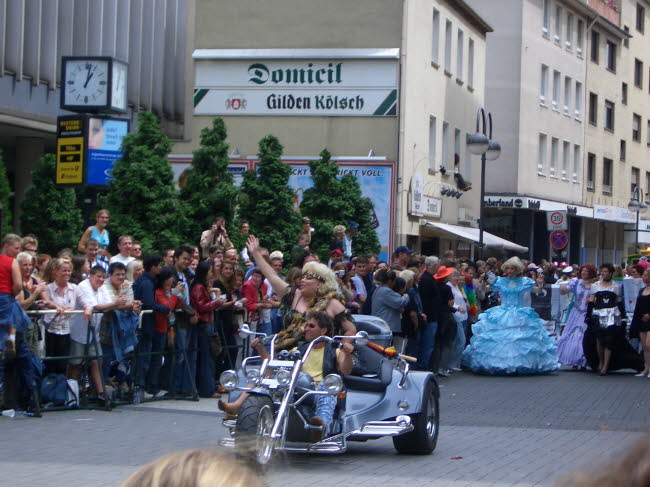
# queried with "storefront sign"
point(70, 149)
point(377, 183)
point(296, 86)
point(556, 220)
point(417, 195)
point(538, 204)
point(614, 214)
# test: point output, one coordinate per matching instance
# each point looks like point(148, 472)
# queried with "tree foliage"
point(51, 212)
point(209, 189)
point(141, 197)
point(267, 201)
point(5, 197)
point(337, 201)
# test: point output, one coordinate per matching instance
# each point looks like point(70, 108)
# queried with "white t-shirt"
point(78, 329)
point(123, 260)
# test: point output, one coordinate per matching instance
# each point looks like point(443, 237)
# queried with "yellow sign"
point(69, 160)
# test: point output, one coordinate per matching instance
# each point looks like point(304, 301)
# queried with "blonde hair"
point(514, 262)
point(194, 468)
point(276, 254)
point(338, 229)
point(132, 267)
point(407, 275)
point(327, 277)
point(54, 265)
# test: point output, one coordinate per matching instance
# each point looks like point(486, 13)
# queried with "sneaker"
point(444, 373)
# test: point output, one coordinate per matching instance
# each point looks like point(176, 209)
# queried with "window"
point(623, 150)
point(543, 84)
point(558, 24)
point(470, 64)
point(541, 154)
point(567, 95)
point(609, 115)
point(576, 163)
point(593, 108)
point(435, 37)
point(555, 148)
point(580, 35)
point(569, 31)
point(468, 164)
point(595, 45)
point(624, 93)
point(610, 56)
point(647, 132)
point(647, 182)
point(638, 73)
point(459, 56)
point(433, 133)
point(445, 144)
point(640, 18)
point(448, 46)
point(634, 181)
point(608, 166)
point(546, 16)
point(566, 155)
point(636, 127)
point(626, 41)
point(578, 103)
point(556, 89)
point(591, 171)
point(456, 150)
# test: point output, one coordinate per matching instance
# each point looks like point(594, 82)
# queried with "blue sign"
point(104, 142)
point(376, 182)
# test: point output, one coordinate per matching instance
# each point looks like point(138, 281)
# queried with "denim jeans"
point(323, 405)
point(185, 370)
point(450, 357)
point(144, 359)
point(265, 328)
point(158, 341)
point(427, 342)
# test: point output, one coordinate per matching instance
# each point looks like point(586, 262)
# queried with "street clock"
point(93, 84)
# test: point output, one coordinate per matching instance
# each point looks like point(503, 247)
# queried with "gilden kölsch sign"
point(294, 86)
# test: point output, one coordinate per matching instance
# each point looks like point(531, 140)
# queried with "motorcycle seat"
point(371, 372)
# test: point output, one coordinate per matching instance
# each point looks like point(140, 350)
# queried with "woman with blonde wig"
point(510, 339)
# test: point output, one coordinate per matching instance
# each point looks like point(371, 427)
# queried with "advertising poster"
point(376, 182)
point(70, 150)
point(181, 164)
point(104, 143)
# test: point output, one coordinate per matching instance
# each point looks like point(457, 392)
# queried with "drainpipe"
point(400, 238)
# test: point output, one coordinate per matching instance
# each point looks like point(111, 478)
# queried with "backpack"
point(56, 389)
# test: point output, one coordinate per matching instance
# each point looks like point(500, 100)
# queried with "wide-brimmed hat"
point(567, 270)
point(444, 272)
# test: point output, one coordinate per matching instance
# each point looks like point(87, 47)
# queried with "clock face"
point(86, 82)
point(119, 95)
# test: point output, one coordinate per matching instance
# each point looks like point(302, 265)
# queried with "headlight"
point(229, 380)
point(332, 384)
point(253, 376)
point(283, 377)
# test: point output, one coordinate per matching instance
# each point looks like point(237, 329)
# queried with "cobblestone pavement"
point(509, 431)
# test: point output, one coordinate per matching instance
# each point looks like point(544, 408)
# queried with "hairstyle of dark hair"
point(609, 267)
point(639, 268)
point(116, 266)
point(323, 319)
point(162, 277)
point(96, 269)
point(201, 274)
point(256, 270)
point(591, 269)
point(385, 275)
point(362, 259)
point(151, 260)
point(399, 285)
point(182, 250)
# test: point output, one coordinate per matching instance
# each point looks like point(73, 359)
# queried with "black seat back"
point(376, 367)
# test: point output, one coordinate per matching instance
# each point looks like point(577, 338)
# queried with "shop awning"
point(472, 234)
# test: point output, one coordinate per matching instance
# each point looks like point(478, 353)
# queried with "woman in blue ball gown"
point(510, 339)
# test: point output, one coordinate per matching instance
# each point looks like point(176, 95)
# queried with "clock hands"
point(90, 75)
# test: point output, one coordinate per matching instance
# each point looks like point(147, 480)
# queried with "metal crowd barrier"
point(132, 357)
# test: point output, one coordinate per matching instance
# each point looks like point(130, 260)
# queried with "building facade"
point(391, 95)
point(149, 36)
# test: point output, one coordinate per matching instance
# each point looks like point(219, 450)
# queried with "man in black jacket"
point(144, 291)
point(428, 353)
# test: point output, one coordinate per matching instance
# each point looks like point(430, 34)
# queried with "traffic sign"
point(556, 220)
point(559, 239)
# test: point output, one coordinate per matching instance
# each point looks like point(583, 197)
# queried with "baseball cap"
point(403, 248)
point(353, 225)
point(336, 252)
point(567, 270)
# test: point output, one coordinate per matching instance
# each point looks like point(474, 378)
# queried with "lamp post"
point(480, 144)
point(637, 205)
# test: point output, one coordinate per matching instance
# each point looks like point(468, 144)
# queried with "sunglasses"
point(311, 325)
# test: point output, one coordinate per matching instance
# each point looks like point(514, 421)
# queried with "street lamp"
point(489, 150)
point(637, 205)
